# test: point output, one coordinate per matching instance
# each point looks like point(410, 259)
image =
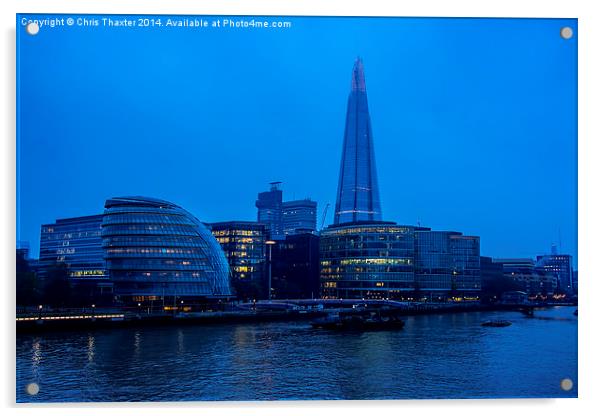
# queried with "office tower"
point(296, 267)
point(560, 266)
point(373, 261)
point(447, 264)
point(269, 210)
point(76, 243)
point(243, 243)
point(299, 217)
point(357, 194)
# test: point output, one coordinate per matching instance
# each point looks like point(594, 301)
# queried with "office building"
point(531, 279)
point(299, 217)
point(155, 250)
point(269, 210)
point(372, 260)
point(296, 267)
point(364, 257)
point(447, 264)
point(357, 193)
point(243, 243)
point(560, 266)
point(77, 244)
point(466, 265)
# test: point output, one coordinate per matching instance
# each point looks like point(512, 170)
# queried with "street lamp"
point(270, 243)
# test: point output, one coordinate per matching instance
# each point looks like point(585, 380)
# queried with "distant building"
point(560, 266)
point(299, 217)
point(269, 210)
point(243, 243)
point(23, 250)
point(155, 250)
point(447, 263)
point(296, 267)
point(576, 281)
point(490, 270)
point(532, 280)
point(76, 243)
point(514, 297)
point(493, 281)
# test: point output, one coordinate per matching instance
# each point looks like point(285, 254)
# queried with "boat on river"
point(362, 321)
point(500, 323)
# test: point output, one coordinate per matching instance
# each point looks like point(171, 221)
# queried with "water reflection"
point(434, 356)
point(90, 348)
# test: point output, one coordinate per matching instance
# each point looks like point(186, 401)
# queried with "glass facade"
point(77, 243)
point(433, 261)
point(370, 260)
point(243, 243)
point(559, 266)
point(154, 248)
point(447, 263)
point(466, 263)
point(269, 210)
point(384, 260)
point(357, 194)
point(299, 216)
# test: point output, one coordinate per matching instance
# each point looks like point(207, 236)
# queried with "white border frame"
point(590, 136)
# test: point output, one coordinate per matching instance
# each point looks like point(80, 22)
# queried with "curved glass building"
point(154, 249)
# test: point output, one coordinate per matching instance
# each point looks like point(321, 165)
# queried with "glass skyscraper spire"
point(357, 193)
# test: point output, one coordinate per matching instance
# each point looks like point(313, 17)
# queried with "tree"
point(57, 288)
point(27, 286)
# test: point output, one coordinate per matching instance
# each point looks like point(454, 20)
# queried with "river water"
point(435, 356)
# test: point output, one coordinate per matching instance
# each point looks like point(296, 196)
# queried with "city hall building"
point(142, 249)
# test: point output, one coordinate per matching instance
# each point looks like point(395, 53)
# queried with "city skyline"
point(483, 192)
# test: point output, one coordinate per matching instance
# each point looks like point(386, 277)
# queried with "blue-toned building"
point(269, 210)
point(357, 193)
point(299, 216)
point(371, 260)
point(155, 249)
point(296, 267)
point(77, 244)
point(559, 266)
point(531, 278)
point(362, 256)
point(243, 243)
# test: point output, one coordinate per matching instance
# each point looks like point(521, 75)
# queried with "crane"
point(324, 215)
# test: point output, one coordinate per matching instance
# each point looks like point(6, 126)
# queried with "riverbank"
point(52, 321)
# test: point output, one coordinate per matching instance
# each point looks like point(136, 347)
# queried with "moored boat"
point(359, 321)
point(499, 323)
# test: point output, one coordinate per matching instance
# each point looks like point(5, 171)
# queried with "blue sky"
point(474, 121)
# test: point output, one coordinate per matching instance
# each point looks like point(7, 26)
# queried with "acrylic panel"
point(243, 208)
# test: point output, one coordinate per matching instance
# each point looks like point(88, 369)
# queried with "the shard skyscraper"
point(357, 194)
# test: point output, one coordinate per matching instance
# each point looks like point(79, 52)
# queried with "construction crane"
point(324, 215)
